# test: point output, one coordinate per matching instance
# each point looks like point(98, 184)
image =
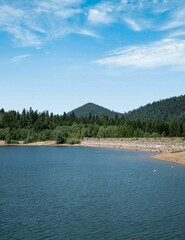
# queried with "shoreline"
point(35, 144)
point(176, 157)
point(166, 149)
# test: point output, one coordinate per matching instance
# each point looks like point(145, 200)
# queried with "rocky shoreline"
point(168, 149)
point(160, 145)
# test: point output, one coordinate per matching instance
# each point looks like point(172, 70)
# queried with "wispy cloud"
point(9, 13)
point(64, 9)
point(135, 26)
point(20, 58)
point(164, 16)
point(140, 15)
point(41, 21)
point(133, 13)
point(16, 22)
point(103, 13)
point(87, 33)
point(175, 20)
point(24, 37)
point(178, 33)
point(160, 53)
point(97, 16)
point(36, 22)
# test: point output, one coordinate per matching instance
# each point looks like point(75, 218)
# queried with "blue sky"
point(60, 54)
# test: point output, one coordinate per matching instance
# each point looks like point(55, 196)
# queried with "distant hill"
point(166, 110)
point(94, 110)
point(170, 109)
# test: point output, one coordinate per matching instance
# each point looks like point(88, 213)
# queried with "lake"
point(89, 193)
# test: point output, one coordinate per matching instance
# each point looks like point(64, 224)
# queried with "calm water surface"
point(89, 193)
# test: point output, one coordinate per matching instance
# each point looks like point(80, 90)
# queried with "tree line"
point(29, 126)
point(171, 109)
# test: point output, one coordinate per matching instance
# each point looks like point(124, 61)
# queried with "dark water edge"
point(89, 193)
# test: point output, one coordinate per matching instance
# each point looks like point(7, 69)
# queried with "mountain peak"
point(93, 109)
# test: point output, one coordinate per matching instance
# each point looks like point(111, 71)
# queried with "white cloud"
point(7, 13)
point(36, 22)
point(139, 15)
point(64, 9)
point(178, 33)
point(19, 58)
point(97, 16)
point(107, 12)
point(41, 22)
point(132, 24)
point(10, 17)
point(161, 53)
point(24, 37)
point(16, 22)
point(176, 20)
point(87, 33)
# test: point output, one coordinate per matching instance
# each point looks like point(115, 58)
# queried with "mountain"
point(170, 109)
point(166, 110)
point(94, 110)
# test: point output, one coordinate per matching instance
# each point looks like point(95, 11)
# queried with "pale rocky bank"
point(164, 145)
point(168, 149)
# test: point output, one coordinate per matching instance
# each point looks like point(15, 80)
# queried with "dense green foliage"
point(94, 110)
point(172, 109)
point(30, 126)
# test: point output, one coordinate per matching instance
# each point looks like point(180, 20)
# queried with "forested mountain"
point(165, 118)
point(171, 109)
point(94, 110)
point(31, 126)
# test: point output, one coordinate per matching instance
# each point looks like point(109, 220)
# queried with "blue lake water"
point(89, 193)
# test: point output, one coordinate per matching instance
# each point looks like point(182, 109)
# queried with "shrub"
point(60, 138)
point(72, 141)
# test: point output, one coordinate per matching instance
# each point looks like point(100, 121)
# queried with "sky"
point(57, 55)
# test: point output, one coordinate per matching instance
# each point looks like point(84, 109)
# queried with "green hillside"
point(152, 120)
point(171, 109)
point(94, 110)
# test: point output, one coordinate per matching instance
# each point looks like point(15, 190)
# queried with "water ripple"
point(86, 193)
